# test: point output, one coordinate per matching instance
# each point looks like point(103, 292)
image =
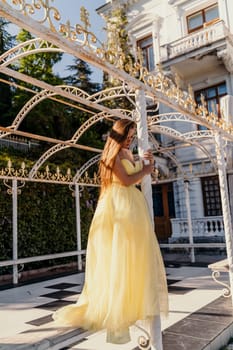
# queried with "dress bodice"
point(130, 168)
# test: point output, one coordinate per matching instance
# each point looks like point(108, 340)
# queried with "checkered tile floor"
point(28, 308)
point(62, 292)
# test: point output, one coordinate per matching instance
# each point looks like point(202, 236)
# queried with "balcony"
point(213, 36)
point(201, 227)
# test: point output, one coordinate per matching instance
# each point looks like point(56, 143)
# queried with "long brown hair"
point(117, 136)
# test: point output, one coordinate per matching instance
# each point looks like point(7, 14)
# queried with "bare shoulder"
point(125, 153)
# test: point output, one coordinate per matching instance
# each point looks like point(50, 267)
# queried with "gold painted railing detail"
point(32, 7)
point(22, 174)
point(157, 79)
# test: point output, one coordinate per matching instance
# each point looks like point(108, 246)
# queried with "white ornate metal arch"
point(166, 152)
point(111, 93)
point(188, 137)
point(26, 48)
point(51, 151)
point(42, 95)
point(64, 91)
point(171, 117)
point(67, 37)
point(85, 167)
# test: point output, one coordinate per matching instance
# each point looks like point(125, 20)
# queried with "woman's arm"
point(126, 179)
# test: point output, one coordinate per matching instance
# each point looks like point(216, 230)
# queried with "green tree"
point(81, 76)
point(38, 65)
point(48, 117)
point(119, 51)
point(6, 42)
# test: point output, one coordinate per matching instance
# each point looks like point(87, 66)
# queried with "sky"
point(70, 10)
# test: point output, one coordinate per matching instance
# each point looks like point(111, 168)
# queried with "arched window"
point(146, 46)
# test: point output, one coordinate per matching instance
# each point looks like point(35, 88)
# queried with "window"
point(151, 111)
point(202, 18)
point(163, 200)
point(212, 96)
point(164, 209)
point(146, 45)
point(211, 196)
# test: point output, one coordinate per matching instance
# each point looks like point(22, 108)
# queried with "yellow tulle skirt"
point(125, 279)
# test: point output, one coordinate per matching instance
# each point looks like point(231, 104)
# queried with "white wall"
point(210, 71)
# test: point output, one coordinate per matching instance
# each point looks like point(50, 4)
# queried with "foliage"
point(47, 117)
point(46, 213)
point(38, 66)
point(46, 221)
point(80, 76)
point(6, 42)
point(5, 224)
point(118, 41)
point(80, 73)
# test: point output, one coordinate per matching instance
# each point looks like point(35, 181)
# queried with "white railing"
point(201, 227)
point(195, 40)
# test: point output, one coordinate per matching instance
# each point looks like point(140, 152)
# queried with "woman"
point(125, 279)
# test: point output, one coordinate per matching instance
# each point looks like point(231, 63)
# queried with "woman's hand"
point(148, 168)
point(149, 162)
point(148, 157)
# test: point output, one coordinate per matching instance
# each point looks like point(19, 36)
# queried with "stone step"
point(209, 328)
point(46, 337)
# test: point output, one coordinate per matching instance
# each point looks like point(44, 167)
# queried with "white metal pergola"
point(137, 84)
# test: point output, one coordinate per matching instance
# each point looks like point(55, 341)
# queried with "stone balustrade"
point(201, 227)
point(193, 41)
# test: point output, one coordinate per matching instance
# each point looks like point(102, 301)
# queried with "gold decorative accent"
point(86, 179)
point(22, 174)
point(115, 55)
point(54, 177)
point(68, 31)
point(9, 171)
point(72, 33)
point(30, 8)
point(24, 7)
point(48, 10)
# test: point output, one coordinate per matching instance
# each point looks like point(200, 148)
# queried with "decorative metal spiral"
point(226, 289)
point(144, 341)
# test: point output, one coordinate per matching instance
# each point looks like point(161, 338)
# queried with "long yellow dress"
point(125, 279)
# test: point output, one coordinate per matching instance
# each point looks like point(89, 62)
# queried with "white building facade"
point(193, 39)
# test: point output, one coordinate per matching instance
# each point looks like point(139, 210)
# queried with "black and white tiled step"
point(208, 328)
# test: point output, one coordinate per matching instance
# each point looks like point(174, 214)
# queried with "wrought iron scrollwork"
point(226, 289)
point(144, 341)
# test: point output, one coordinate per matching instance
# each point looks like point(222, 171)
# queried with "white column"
point(156, 25)
point(15, 229)
point(180, 21)
point(189, 218)
point(230, 186)
point(225, 204)
point(143, 145)
point(78, 224)
point(223, 11)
